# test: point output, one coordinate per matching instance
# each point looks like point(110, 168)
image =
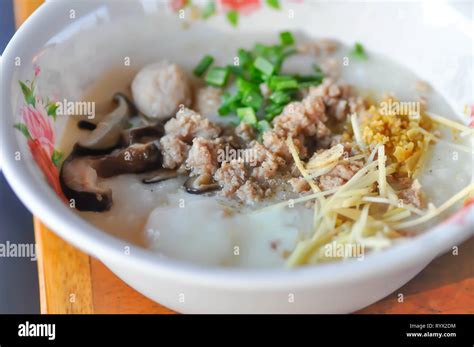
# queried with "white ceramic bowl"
point(433, 40)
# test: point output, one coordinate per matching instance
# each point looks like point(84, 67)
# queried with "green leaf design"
point(233, 17)
point(52, 110)
point(56, 158)
point(359, 51)
point(28, 93)
point(274, 3)
point(209, 10)
point(22, 127)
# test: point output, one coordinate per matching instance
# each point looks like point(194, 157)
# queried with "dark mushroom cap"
point(160, 176)
point(200, 184)
point(107, 134)
point(136, 158)
point(86, 125)
point(144, 134)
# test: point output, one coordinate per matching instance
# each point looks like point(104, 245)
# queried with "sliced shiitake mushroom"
point(79, 182)
point(160, 176)
point(201, 184)
point(86, 125)
point(107, 134)
point(143, 134)
point(136, 158)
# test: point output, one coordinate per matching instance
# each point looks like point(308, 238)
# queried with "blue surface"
point(7, 22)
point(18, 276)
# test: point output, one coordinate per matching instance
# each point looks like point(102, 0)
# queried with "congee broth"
point(289, 152)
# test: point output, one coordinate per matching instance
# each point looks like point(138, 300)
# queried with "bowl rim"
point(40, 199)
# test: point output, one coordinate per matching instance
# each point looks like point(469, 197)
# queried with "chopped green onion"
point(245, 58)
point(285, 85)
point(272, 110)
point(359, 51)
point(274, 4)
point(288, 53)
point(229, 103)
point(264, 66)
point(276, 79)
point(209, 10)
point(252, 99)
point(246, 86)
point(260, 49)
point(224, 110)
point(251, 68)
point(236, 70)
point(280, 97)
point(217, 76)
point(255, 76)
point(203, 65)
point(286, 38)
point(247, 115)
point(311, 80)
point(233, 17)
point(274, 54)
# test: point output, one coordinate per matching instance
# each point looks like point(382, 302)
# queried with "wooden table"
point(72, 282)
point(445, 286)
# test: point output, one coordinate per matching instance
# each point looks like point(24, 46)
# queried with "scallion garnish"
point(259, 49)
point(203, 65)
point(272, 82)
point(252, 68)
point(252, 99)
point(272, 111)
point(308, 81)
point(247, 115)
point(245, 58)
point(245, 86)
point(217, 76)
point(264, 66)
point(255, 76)
point(229, 103)
point(236, 70)
point(359, 51)
point(280, 97)
point(286, 85)
point(286, 38)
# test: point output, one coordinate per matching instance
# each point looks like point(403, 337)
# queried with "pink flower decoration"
point(39, 126)
point(37, 71)
point(43, 160)
point(242, 6)
point(472, 116)
point(177, 5)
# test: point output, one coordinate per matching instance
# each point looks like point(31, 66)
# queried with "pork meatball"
point(160, 88)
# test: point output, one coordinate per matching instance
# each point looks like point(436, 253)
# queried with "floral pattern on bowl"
point(36, 124)
point(232, 9)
